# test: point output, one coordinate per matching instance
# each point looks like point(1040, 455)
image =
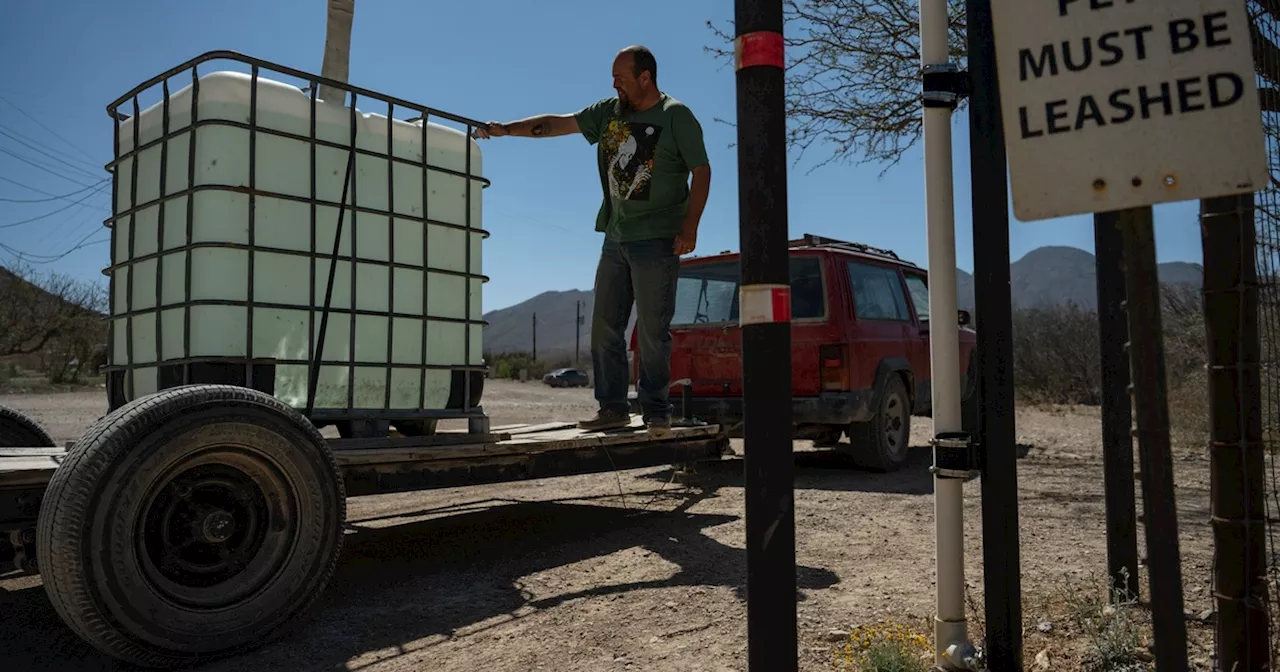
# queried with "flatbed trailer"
point(95, 516)
point(404, 464)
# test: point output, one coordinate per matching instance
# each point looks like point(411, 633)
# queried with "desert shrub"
point(1108, 624)
point(1056, 356)
point(507, 365)
point(885, 647)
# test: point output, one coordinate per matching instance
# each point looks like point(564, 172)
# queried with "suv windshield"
point(708, 293)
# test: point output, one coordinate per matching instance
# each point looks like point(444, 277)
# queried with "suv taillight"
point(833, 364)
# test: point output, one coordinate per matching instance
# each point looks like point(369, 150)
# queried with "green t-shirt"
point(644, 160)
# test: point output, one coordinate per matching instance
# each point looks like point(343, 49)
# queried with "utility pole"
point(535, 337)
point(337, 49)
point(765, 300)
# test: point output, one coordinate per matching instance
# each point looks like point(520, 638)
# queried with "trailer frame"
point(397, 464)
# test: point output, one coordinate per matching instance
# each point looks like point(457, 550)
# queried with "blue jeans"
point(644, 273)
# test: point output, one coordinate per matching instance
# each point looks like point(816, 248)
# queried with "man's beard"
point(624, 105)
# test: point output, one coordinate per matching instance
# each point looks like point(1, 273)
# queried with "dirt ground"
point(630, 571)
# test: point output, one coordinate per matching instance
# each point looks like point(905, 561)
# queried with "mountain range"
point(1045, 276)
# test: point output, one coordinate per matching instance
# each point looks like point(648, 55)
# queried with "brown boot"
point(658, 427)
point(606, 420)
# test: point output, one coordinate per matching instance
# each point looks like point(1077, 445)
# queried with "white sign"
point(1112, 104)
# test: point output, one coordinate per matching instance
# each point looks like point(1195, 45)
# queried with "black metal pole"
point(1151, 404)
point(577, 332)
point(1237, 462)
point(766, 331)
point(993, 303)
point(535, 337)
point(1117, 416)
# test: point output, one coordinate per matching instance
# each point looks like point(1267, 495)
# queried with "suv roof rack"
point(811, 240)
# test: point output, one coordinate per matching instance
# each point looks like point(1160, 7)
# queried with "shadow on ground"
point(406, 582)
point(829, 470)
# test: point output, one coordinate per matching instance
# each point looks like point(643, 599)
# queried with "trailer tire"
point(190, 525)
point(17, 430)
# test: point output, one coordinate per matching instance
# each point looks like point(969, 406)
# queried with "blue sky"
point(496, 60)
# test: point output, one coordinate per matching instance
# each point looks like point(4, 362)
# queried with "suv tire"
point(883, 444)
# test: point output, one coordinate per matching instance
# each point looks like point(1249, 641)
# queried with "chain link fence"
point(1266, 49)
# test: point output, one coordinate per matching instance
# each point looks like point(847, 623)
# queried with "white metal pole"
point(950, 637)
point(337, 49)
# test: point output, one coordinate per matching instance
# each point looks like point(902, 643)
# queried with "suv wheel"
point(883, 443)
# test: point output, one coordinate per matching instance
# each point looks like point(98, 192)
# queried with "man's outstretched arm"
point(541, 126)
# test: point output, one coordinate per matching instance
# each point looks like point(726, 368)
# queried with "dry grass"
point(1075, 625)
point(1189, 410)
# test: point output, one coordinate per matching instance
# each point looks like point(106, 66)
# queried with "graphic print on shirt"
point(628, 149)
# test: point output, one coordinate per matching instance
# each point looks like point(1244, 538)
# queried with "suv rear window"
point(919, 296)
point(708, 293)
point(877, 293)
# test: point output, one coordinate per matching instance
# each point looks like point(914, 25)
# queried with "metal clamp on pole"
point(945, 85)
point(954, 456)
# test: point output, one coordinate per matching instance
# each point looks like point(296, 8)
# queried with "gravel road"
point(629, 571)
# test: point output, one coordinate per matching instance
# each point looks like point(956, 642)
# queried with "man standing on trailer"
point(647, 145)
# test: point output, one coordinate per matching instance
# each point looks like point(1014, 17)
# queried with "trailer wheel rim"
point(217, 527)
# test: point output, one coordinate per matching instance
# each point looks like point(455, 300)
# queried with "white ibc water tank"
point(224, 261)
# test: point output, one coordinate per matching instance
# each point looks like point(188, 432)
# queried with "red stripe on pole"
point(764, 304)
point(782, 304)
point(759, 48)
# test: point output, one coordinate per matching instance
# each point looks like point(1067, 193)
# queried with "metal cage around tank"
point(252, 370)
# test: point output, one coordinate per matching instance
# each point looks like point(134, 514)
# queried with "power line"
point(91, 161)
point(42, 167)
point(54, 212)
point(50, 130)
point(73, 232)
point(52, 196)
point(47, 152)
point(48, 259)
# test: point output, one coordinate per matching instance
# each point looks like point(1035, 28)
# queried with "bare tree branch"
point(41, 310)
point(853, 73)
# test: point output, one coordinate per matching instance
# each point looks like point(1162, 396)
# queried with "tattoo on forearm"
point(540, 128)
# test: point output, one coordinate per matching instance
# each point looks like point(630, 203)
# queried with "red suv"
point(859, 347)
